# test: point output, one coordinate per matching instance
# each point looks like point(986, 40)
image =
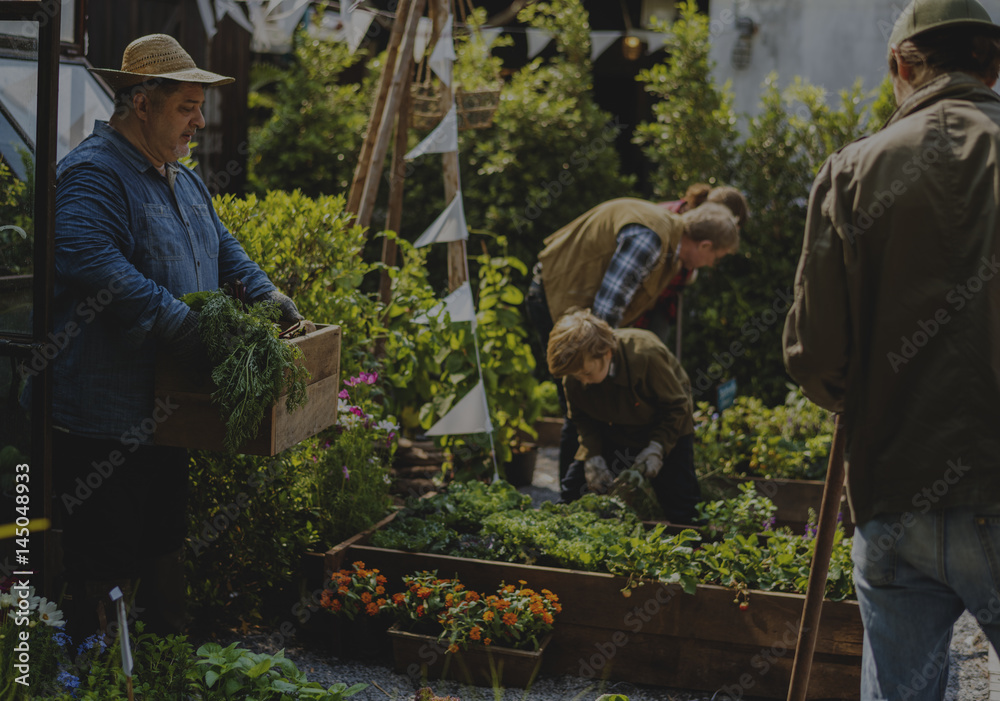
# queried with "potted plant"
point(360, 602)
point(482, 640)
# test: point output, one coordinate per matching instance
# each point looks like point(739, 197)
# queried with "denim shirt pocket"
point(162, 242)
point(203, 224)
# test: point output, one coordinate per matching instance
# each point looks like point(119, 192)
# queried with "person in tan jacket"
point(896, 323)
point(615, 260)
point(631, 402)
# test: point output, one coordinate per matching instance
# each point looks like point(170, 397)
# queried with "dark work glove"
point(186, 345)
point(289, 312)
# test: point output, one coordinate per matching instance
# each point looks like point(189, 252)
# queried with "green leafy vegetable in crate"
point(251, 366)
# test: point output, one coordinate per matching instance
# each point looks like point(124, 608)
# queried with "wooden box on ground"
point(195, 423)
point(658, 635)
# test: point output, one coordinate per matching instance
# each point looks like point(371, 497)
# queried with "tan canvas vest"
point(576, 257)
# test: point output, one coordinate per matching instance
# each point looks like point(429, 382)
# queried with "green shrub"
point(734, 315)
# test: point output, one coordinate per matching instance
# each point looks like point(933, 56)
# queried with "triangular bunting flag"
point(444, 138)
point(275, 24)
point(207, 17)
point(459, 306)
point(538, 39)
point(470, 415)
point(229, 7)
point(443, 56)
point(358, 28)
point(449, 226)
point(600, 41)
point(490, 35)
point(425, 29)
point(654, 40)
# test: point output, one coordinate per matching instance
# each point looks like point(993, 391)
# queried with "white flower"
point(49, 614)
point(387, 426)
point(6, 600)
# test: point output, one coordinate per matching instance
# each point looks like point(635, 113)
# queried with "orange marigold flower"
point(476, 633)
point(471, 596)
point(366, 597)
point(486, 641)
point(420, 610)
point(448, 599)
point(381, 602)
point(510, 618)
point(501, 604)
point(359, 565)
point(528, 592)
point(459, 586)
point(380, 579)
point(335, 605)
point(509, 589)
point(488, 616)
point(424, 592)
point(342, 591)
point(372, 609)
point(398, 598)
point(453, 647)
point(380, 590)
point(547, 618)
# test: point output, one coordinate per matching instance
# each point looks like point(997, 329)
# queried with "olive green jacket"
point(896, 319)
point(645, 397)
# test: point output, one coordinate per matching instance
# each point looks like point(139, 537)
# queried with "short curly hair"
point(578, 336)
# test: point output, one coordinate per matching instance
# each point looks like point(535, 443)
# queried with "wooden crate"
point(196, 423)
point(658, 635)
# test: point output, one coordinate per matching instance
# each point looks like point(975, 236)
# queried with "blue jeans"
point(915, 574)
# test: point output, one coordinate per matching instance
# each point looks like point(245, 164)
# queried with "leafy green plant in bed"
point(745, 514)
point(252, 366)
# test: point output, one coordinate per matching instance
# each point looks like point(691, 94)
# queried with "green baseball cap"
point(923, 15)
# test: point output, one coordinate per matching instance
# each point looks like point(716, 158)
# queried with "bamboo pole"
point(401, 75)
point(813, 606)
point(361, 171)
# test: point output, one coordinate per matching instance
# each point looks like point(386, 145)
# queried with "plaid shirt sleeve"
point(637, 252)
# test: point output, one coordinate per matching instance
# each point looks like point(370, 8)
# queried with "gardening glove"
point(650, 460)
point(289, 312)
point(599, 477)
point(186, 345)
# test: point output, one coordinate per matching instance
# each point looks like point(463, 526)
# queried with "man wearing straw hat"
point(896, 323)
point(134, 232)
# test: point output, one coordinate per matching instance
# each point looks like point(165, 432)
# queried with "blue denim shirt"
point(126, 249)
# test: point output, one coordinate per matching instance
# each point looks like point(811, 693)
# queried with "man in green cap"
point(896, 323)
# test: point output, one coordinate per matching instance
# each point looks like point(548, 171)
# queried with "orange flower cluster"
point(358, 590)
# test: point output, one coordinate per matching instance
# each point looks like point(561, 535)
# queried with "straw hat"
point(157, 56)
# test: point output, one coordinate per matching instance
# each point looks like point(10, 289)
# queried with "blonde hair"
point(578, 336)
point(715, 223)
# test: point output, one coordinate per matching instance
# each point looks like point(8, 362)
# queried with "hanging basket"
point(475, 108)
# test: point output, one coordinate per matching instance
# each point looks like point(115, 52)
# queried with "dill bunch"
point(251, 366)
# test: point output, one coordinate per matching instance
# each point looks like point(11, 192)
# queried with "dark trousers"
point(541, 320)
point(676, 486)
point(123, 513)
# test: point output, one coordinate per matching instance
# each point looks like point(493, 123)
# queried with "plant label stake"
point(825, 529)
point(116, 596)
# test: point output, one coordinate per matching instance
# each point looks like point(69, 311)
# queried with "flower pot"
point(423, 656)
point(520, 471)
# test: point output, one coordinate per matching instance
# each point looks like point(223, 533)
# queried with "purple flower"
point(356, 410)
point(769, 524)
point(369, 378)
point(347, 473)
point(67, 680)
point(343, 394)
point(352, 381)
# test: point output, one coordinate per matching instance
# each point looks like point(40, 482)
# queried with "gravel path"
point(968, 678)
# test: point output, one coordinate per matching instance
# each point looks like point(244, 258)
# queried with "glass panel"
point(81, 101)
point(67, 23)
point(18, 104)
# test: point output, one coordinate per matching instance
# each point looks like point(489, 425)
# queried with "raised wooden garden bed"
point(659, 635)
point(196, 423)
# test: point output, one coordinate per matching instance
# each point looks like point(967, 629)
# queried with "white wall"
point(828, 42)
